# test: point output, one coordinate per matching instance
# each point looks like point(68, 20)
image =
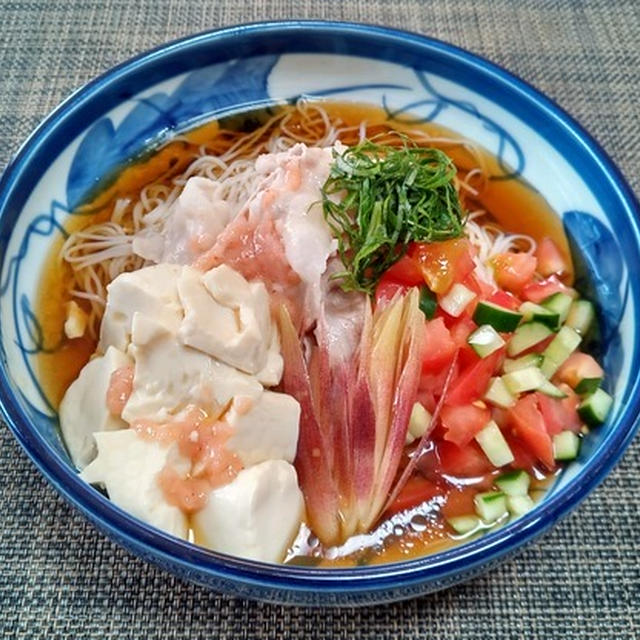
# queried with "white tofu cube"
point(264, 430)
point(168, 377)
point(83, 409)
point(76, 322)
point(271, 374)
point(226, 317)
point(256, 516)
point(127, 466)
point(151, 291)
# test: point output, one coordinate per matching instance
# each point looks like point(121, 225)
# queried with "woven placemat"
point(60, 578)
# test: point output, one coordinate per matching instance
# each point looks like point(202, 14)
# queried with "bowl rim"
point(191, 558)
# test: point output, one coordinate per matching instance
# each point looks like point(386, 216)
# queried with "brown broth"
point(515, 205)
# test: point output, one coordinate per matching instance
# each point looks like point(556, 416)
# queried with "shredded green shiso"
point(378, 199)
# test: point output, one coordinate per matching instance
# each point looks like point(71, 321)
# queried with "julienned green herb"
point(378, 199)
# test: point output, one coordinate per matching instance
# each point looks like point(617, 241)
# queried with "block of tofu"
point(151, 291)
point(271, 374)
point(256, 516)
point(169, 376)
point(264, 430)
point(83, 409)
point(76, 321)
point(127, 466)
point(226, 317)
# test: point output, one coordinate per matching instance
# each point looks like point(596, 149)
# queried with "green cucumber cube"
point(491, 506)
point(519, 505)
point(464, 525)
point(595, 408)
point(566, 445)
point(514, 483)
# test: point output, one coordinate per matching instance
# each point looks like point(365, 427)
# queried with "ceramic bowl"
point(180, 84)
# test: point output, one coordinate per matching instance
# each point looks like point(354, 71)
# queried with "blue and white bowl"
point(183, 83)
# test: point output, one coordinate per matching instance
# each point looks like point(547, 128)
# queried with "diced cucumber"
point(500, 318)
point(514, 483)
point(491, 505)
point(519, 505)
point(485, 340)
point(526, 336)
point(548, 367)
point(582, 372)
point(559, 349)
point(595, 407)
point(529, 379)
point(566, 445)
point(559, 303)
point(550, 389)
point(418, 422)
point(498, 394)
point(530, 360)
point(428, 302)
point(494, 445)
point(463, 525)
point(456, 299)
point(537, 313)
point(588, 385)
point(581, 316)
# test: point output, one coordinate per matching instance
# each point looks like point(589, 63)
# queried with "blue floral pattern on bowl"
point(414, 80)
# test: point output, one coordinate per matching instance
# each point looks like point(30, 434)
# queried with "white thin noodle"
point(99, 253)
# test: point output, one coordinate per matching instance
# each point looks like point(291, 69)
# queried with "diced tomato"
point(416, 491)
point(500, 416)
point(463, 422)
point(571, 420)
point(443, 263)
point(552, 413)
point(451, 322)
point(513, 270)
point(538, 291)
point(461, 329)
point(405, 271)
point(467, 358)
point(388, 288)
point(505, 299)
point(482, 290)
point(550, 258)
point(523, 458)
point(432, 383)
point(462, 461)
point(473, 381)
point(560, 414)
point(439, 346)
point(400, 276)
point(578, 366)
point(528, 424)
point(448, 320)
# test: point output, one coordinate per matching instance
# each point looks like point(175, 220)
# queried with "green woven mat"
point(59, 578)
